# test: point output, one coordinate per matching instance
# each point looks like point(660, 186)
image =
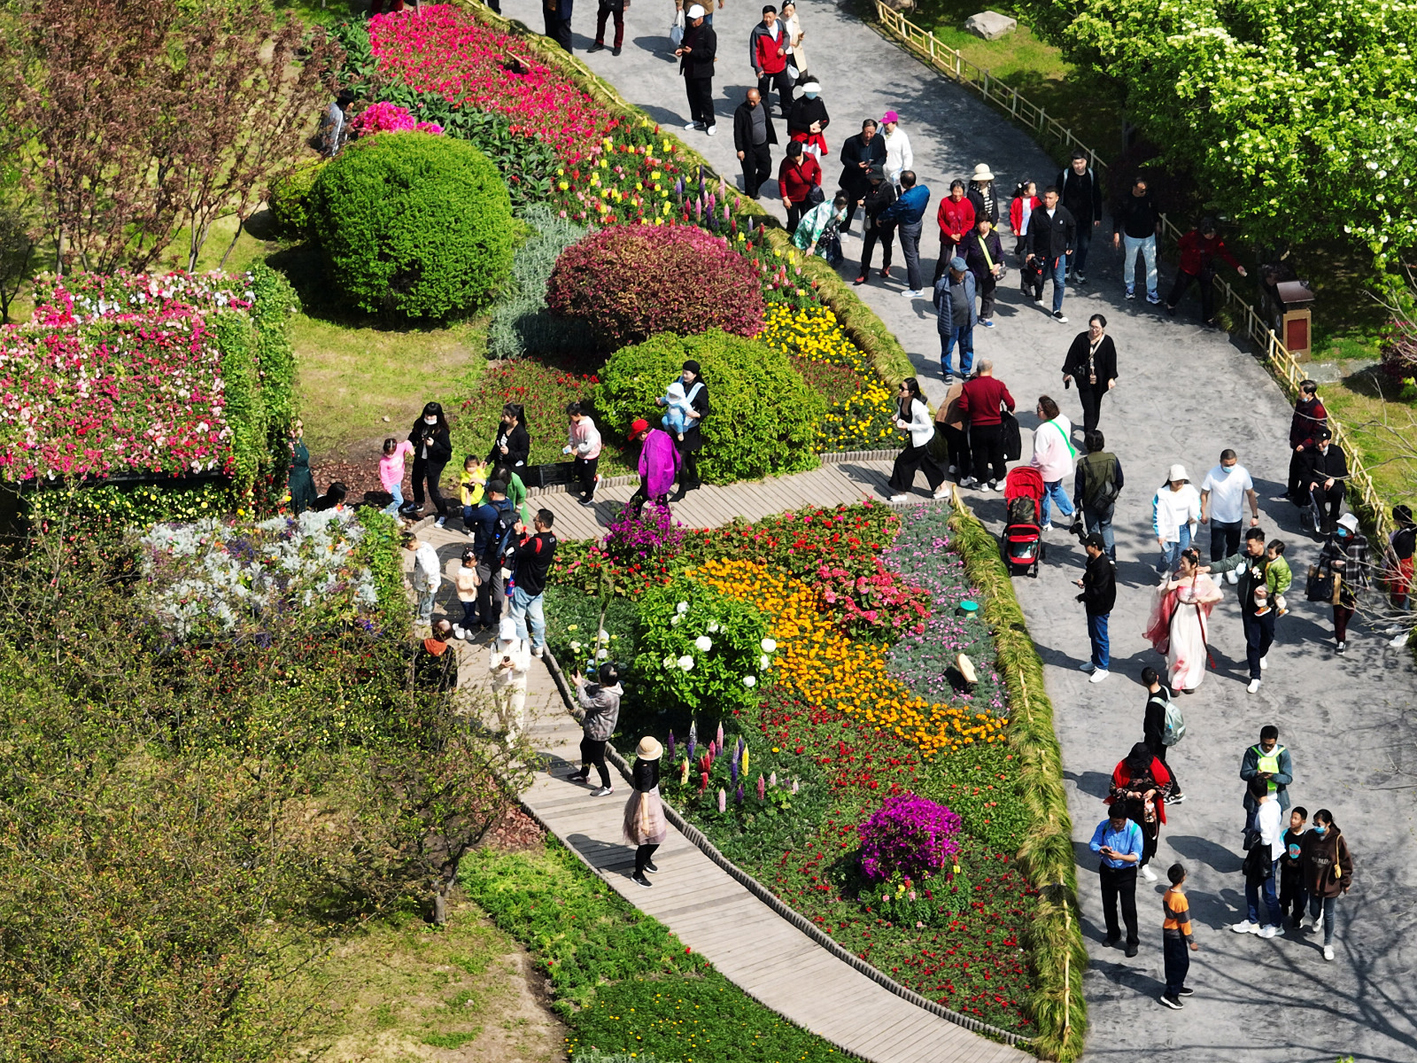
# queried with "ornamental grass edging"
point(796, 919)
point(1057, 951)
point(857, 320)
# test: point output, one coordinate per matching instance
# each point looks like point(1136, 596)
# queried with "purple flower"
point(908, 834)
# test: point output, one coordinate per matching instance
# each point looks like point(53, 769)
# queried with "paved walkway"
point(1183, 395)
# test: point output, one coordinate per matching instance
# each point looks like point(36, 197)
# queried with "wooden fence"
point(1046, 128)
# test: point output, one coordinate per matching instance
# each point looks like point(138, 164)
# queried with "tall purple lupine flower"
point(720, 734)
point(762, 789)
point(738, 794)
point(733, 771)
point(671, 747)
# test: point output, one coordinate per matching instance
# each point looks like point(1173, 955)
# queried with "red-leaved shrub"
point(630, 282)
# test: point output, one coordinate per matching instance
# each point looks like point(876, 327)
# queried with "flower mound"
point(908, 835)
point(388, 117)
point(628, 283)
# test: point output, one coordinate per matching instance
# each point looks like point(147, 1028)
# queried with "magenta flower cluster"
point(385, 117)
point(641, 536)
point(910, 835)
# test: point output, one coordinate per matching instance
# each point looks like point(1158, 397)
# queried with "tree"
point(1298, 120)
point(16, 253)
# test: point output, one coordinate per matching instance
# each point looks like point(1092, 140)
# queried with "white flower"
point(686, 662)
point(764, 662)
point(600, 655)
point(669, 661)
point(769, 646)
point(674, 620)
point(704, 643)
point(682, 608)
point(749, 681)
point(575, 647)
point(604, 635)
point(713, 628)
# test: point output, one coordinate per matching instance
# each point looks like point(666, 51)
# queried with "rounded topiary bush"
point(289, 197)
point(763, 417)
point(414, 224)
point(629, 282)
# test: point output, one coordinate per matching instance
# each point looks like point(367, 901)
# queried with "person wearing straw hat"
point(982, 194)
point(696, 54)
point(645, 826)
point(508, 664)
point(1175, 516)
point(899, 156)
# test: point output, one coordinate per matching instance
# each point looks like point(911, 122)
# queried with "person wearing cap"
point(808, 120)
point(607, 8)
point(955, 319)
point(435, 665)
point(645, 826)
point(1052, 234)
point(1250, 567)
point(535, 553)
point(1099, 595)
point(983, 252)
point(697, 395)
point(696, 54)
point(859, 155)
point(796, 177)
point(982, 194)
point(658, 466)
point(955, 217)
point(1081, 193)
point(600, 704)
point(879, 197)
point(899, 156)
point(1325, 472)
point(767, 55)
point(508, 664)
point(1175, 516)
point(1309, 417)
point(1345, 554)
point(753, 135)
point(557, 14)
point(1199, 249)
point(493, 540)
point(908, 214)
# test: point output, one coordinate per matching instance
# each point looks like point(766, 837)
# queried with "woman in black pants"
point(913, 418)
point(1091, 364)
point(696, 391)
point(432, 447)
point(645, 825)
point(512, 447)
point(601, 704)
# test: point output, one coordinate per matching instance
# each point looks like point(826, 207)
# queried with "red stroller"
point(1023, 545)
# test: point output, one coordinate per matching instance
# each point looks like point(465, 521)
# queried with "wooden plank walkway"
point(703, 905)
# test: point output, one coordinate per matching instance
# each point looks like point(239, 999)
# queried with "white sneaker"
point(1264, 662)
point(459, 632)
point(1399, 641)
point(538, 652)
point(912, 293)
point(1316, 925)
point(1232, 577)
point(1097, 676)
point(711, 130)
point(1246, 927)
point(1047, 525)
point(943, 492)
point(1268, 931)
point(1087, 666)
point(969, 483)
point(900, 498)
point(1146, 871)
point(1254, 686)
point(994, 485)
point(1328, 952)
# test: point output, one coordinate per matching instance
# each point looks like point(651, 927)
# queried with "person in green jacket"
point(516, 491)
point(302, 481)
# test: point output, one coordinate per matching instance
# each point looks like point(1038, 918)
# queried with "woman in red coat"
point(1142, 784)
point(796, 177)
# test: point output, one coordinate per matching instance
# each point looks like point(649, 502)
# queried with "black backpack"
point(500, 543)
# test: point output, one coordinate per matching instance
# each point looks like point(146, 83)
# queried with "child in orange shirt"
point(1175, 937)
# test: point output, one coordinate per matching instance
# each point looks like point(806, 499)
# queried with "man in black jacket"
point(1081, 192)
point(1052, 235)
point(696, 54)
point(1325, 471)
point(879, 198)
point(753, 132)
point(1099, 594)
point(859, 154)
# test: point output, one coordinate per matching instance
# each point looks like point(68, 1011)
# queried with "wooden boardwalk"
point(707, 909)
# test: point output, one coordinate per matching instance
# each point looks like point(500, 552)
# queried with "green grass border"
point(1055, 935)
point(858, 320)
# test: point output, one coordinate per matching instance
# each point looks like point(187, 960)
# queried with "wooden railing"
point(1045, 127)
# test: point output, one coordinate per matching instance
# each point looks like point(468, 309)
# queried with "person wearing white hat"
point(696, 54)
point(1345, 553)
point(1175, 516)
point(982, 194)
point(645, 826)
point(509, 663)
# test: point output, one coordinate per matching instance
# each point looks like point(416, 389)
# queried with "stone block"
point(990, 25)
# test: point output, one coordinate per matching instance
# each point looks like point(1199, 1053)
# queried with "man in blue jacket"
point(908, 213)
point(954, 305)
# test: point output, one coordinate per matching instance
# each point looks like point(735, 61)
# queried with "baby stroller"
point(1023, 545)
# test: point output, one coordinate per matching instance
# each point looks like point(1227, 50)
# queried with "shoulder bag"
point(1013, 439)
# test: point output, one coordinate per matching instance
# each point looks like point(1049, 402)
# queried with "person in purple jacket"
point(659, 465)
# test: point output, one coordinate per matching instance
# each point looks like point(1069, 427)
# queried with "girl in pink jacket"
point(391, 470)
point(583, 444)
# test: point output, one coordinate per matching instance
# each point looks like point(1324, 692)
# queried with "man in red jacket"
point(982, 401)
point(1199, 249)
point(956, 219)
point(1309, 417)
point(767, 52)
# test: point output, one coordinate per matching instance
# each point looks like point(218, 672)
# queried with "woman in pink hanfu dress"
point(1180, 621)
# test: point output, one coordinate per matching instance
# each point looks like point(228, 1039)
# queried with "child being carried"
point(676, 417)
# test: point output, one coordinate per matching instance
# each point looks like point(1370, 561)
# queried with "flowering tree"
point(1297, 119)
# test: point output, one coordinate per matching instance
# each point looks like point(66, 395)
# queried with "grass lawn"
point(413, 992)
point(1385, 430)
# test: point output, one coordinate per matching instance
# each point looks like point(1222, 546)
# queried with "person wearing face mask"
point(818, 233)
point(697, 396)
point(1328, 873)
point(1251, 566)
point(859, 156)
point(1224, 493)
point(432, 447)
point(808, 120)
point(512, 445)
point(1345, 554)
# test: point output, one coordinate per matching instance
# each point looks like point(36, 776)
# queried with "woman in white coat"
point(913, 418)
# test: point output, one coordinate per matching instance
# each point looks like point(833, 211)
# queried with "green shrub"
point(414, 224)
point(520, 322)
point(289, 197)
point(700, 649)
point(630, 282)
point(763, 417)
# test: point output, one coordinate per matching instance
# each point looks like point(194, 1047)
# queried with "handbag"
point(793, 73)
point(815, 196)
point(1013, 439)
point(1322, 585)
point(676, 29)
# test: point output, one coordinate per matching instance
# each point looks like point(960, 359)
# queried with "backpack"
point(1175, 729)
point(1100, 494)
point(500, 541)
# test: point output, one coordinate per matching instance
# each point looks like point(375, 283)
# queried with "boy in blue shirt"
point(1118, 841)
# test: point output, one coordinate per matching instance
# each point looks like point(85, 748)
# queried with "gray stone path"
point(1183, 395)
